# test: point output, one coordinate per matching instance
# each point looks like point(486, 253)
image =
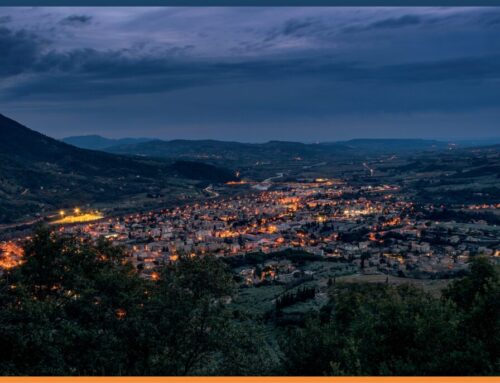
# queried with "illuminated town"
point(376, 229)
point(11, 255)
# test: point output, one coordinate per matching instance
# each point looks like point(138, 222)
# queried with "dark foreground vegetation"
point(75, 308)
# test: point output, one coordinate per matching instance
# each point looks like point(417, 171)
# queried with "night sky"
point(253, 74)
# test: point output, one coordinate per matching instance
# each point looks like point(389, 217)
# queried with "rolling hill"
point(247, 154)
point(395, 145)
point(39, 174)
point(95, 142)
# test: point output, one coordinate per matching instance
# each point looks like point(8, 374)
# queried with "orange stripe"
point(251, 379)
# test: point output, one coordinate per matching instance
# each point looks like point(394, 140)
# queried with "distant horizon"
point(494, 139)
point(450, 140)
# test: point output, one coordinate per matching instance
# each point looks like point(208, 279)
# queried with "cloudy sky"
point(252, 74)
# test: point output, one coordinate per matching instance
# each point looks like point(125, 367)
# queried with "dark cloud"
point(102, 72)
point(84, 74)
point(491, 19)
point(296, 28)
point(19, 50)
point(76, 20)
point(399, 22)
point(481, 17)
point(389, 24)
point(456, 70)
point(290, 68)
point(478, 17)
point(5, 19)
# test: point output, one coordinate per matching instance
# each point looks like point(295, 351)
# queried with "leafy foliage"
point(302, 295)
point(78, 308)
point(385, 330)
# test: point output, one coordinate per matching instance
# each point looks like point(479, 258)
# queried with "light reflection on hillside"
point(79, 218)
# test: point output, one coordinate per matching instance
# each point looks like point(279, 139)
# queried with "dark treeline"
point(74, 308)
point(77, 308)
point(369, 329)
point(260, 257)
point(303, 294)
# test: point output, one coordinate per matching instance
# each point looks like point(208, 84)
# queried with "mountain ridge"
point(39, 174)
point(97, 142)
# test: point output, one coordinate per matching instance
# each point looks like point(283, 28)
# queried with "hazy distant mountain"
point(223, 153)
point(392, 144)
point(38, 173)
point(174, 148)
point(96, 142)
point(273, 150)
point(472, 142)
point(178, 148)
